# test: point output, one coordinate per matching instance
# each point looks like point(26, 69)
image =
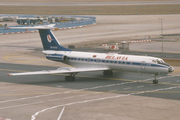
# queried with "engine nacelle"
point(57, 57)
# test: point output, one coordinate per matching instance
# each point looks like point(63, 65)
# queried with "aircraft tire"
point(155, 81)
point(107, 72)
point(72, 78)
point(69, 78)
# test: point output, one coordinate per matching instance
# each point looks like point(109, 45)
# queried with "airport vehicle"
point(91, 61)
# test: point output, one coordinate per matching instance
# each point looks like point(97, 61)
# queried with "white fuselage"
point(120, 62)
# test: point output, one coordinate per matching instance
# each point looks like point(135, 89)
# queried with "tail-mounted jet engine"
point(57, 57)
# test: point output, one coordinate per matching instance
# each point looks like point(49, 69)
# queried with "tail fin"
point(49, 41)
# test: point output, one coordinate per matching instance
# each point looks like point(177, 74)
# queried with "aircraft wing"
point(66, 70)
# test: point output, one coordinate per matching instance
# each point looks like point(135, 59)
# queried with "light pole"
point(162, 32)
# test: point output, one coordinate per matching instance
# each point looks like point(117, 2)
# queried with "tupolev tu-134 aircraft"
point(91, 61)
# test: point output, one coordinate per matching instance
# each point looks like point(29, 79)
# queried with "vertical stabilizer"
point(49, 41)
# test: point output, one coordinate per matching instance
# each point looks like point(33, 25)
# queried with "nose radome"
point(170, 69)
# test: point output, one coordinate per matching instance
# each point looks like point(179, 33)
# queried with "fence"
point(61, 25)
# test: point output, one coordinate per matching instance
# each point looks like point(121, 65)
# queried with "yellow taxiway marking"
point(176, 70)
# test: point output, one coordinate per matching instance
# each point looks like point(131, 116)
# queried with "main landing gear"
point(155, 81)
point(71, 77)
point(107, 72)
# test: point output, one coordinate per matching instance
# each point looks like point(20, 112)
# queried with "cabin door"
point(143, 65)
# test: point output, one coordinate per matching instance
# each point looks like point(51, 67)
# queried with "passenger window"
point(88, 59)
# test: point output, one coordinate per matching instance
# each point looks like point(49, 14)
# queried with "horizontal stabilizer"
point(65, 70)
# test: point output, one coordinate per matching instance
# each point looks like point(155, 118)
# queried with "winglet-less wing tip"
point(8, 74)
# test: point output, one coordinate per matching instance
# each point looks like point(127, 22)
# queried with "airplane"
point(92, 61)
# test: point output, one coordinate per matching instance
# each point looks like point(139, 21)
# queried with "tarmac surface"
point(127, 96)
point(95, 4)
point(92, 96)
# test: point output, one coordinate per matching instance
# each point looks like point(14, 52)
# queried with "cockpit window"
point(154, 61)
point(160, 61)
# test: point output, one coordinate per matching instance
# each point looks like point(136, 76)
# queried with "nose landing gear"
point(155, 81)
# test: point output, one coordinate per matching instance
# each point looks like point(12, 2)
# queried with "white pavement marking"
point(127, 88)
point(96, 87)
point(84, 95)
point(69, 97)
point(53, 100)
point(97, 92)
point(33, 117)
point(77, 90)
point(5, 119)
point(22, 105)
point(12, 100)
point(112, 90)
point(33, 97)
point(140, 86)
point(28, 98)
point(59, 86)
point(61, 113)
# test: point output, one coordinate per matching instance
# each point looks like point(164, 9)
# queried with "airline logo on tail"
point(49, 38)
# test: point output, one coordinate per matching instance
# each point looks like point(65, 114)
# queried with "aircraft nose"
point(170, 69)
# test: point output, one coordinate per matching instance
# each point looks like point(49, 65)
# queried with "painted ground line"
point(127, 88)
point(84, 95)
point(33, 97)
point(113, 90)
point(61, 113)
point(140, 86)
point(69, 97)
point(33, 117)
point(22, 105)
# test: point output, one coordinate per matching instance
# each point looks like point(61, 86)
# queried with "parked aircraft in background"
point(91, 61)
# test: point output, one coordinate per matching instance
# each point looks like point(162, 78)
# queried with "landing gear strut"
point(155, 81)
point(71, 77)
point(107, 72)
